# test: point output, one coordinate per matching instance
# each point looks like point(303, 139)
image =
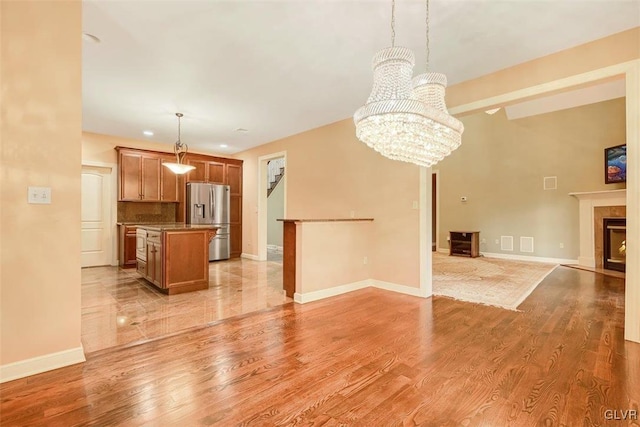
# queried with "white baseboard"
point(401, 289)
point(530, 258)
point(250, 256)
point(274, 248)
point(350, 287)
point(330, 292)
point(443, 251)
point(36, 365)
point(587, 261)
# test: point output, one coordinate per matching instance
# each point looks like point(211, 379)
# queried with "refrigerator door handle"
point(212, 195)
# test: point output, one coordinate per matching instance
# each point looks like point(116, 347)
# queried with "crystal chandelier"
point(405, 120)
point(181, 151)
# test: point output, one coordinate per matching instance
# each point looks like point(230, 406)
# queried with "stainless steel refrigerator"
point(209, 204)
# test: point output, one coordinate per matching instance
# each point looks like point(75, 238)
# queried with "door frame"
point(436, 172)
point(113, 206)
point(262, 199)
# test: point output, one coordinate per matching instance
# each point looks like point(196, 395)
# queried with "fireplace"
point(614, 239)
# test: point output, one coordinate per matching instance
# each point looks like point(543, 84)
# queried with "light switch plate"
point(39, 195)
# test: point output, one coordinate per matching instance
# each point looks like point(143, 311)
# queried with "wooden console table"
point(464, 243)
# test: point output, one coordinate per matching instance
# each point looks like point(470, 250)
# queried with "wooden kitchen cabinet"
point(127, 246)
point(199, 174)
point(169, 182)
point(207, 171)
point(234, 179)
point(216, 172)
point(130, 176)
point(139, 176)
point(150, 183)
point(154, 258)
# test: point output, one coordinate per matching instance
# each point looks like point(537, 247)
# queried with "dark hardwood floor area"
point(367, 358)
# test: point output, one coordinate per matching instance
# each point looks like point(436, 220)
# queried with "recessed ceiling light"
point(90, 38)
point(243, 130)
point(148, 133)
point(492, 111)
point(223, 145)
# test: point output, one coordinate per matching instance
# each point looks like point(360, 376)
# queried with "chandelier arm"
point(393, 23)
point(427, 26)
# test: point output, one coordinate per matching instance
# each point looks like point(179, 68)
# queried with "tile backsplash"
point(146, 212)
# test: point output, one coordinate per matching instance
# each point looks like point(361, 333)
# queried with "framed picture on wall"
point(615, 164)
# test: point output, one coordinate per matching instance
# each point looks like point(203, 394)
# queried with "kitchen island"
point(175, 256)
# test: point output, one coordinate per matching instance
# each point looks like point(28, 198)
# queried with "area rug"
point(490, 281)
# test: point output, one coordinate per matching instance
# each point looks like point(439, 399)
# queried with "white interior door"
point(96, 218)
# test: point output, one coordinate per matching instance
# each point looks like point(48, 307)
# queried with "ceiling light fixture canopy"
point(181, 150)
point(403, 119)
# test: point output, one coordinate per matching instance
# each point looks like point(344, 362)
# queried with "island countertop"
point(324, 220)
point(177, 226)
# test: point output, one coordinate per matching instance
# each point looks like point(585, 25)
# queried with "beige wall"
point(615, 49)
point(275, 210)
point(500, 169)
point(101, 148)
point(332, 254)
point(41, 130)
point(329, 174)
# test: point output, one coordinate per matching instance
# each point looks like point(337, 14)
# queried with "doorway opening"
point(263, 203)
point(275, 208)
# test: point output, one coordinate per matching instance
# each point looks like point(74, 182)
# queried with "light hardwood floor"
point(118, 307)
point(367, 358)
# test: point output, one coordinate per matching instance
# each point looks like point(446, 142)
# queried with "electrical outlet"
point(365, 260)
point(561, 245)
point(353, 214)
point(497, 242)
point(414, 205)
point(483, 241)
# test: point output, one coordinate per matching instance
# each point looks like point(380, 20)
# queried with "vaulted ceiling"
point(277, 68)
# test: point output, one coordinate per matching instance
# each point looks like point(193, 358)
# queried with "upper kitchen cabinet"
point(199, 174)
point(206, 171)
point(130, 176)
point(215, 173)
point(169, 182)
point(234, 178)
point(143, 179)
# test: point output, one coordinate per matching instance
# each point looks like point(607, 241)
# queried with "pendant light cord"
point(393, 23)
point(427, 25)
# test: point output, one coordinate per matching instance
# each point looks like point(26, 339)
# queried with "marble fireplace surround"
point(594, 206)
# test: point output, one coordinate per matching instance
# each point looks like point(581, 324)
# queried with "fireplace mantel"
point(588, 202)
point(599, 195)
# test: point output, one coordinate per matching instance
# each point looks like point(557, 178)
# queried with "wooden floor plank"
point(370, 357)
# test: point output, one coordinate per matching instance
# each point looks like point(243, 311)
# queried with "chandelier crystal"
point(180, 149)
point(403, 119)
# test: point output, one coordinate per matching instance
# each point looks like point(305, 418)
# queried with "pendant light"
point(405, 120)
point(180, 149)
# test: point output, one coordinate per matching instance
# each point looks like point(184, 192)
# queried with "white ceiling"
point(278, 68)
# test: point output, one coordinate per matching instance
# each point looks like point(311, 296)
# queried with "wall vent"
point(526, 244)
point(506, 243)
point(550, 183)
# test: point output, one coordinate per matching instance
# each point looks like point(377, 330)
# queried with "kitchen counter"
point(176, 226)
point(325, 220)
